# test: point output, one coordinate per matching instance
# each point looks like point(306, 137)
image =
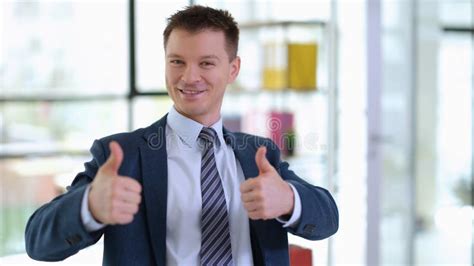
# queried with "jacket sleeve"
point(319, 214)
point(55, 231)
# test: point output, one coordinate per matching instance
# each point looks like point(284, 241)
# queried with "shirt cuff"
point(296, 215)
point(88, 220)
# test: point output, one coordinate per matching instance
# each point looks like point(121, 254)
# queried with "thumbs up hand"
point(266, 196)
point(114, 199)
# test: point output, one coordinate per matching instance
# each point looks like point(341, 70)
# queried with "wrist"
point(91, 206)
point(291, 200)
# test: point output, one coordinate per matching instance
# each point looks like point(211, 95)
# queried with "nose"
point(191, 74)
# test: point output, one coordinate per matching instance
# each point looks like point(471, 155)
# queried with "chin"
point(191, 112)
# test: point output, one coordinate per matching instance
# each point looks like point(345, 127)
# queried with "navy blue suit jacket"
point(55, 231)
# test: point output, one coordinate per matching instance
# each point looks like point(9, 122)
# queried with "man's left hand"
point(266, 196)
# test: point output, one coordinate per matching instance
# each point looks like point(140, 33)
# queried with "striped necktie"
point(215, 237)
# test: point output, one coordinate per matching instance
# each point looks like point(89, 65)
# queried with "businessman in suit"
point(186, 191)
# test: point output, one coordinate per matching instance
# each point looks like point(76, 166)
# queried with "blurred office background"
point(386, 122)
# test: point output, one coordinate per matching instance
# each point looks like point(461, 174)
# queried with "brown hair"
point(197, 18)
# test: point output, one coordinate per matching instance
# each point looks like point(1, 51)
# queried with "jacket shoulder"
point(125, 138)
point(253, 141)
point(250, 143)
point(129, 141)
point(137, 137)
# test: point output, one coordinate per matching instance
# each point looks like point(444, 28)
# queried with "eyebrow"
point(211, 57)
point(203, 57)
point(173, 55)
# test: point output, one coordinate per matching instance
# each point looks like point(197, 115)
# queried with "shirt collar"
point(188, 130)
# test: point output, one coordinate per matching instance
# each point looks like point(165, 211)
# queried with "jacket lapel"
point(245, 153)
point(155, 185)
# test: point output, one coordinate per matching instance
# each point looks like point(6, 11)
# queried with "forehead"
point(201, 43)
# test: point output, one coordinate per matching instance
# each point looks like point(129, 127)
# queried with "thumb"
point(115, 158)
point(262, 163)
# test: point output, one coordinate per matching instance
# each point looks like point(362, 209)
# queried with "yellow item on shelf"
point(275, 74)
point(302, 61)
point(274, 79)
point(290, 66)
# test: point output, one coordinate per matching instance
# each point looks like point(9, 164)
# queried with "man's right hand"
point(114, 199)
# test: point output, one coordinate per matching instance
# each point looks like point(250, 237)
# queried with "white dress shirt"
point(183, 224)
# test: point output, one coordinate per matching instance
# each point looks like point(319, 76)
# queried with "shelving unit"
point(249, 100)
point(314, 110)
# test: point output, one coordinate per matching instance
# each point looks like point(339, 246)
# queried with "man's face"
point(197, 72)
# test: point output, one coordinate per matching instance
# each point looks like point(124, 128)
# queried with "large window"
point(64, 48)
point(444, 202)
point(73, 71)
point(61, 64)
point(150, 22)
point(66, 79)
point(427, 133)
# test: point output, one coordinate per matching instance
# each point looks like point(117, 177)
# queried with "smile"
point(190, 92)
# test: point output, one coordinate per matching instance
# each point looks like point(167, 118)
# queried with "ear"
point(234, 69)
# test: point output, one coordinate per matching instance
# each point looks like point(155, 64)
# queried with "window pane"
point(51, 127)
point(63, 47)
point(445, 217)
point(456, 13)
point(245, 11)
point(147, 110)
point(241, 10)
point(396, 134)
point(26, 184)
point(150, 22)
point(292, 10)
point(349, 243)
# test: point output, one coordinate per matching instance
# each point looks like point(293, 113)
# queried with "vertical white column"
point(374, 128)
point(332, 109)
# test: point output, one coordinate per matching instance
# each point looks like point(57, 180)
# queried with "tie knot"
point(208, 134)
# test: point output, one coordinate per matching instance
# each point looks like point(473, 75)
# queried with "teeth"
point(190, 92)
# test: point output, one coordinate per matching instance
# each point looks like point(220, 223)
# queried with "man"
point(186, 191)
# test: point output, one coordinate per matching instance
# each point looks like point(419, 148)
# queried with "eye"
point(207, 64)
point(176, 62)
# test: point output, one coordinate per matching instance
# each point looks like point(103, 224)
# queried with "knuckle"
point(115, 204)
point(260, 198)
point(138, 186)
point(245, 185)
point(114, 217)
point(132, 184)
point(115, 184)
point(135, 208)
point(127, 219)
point(259, 184)
point(124, 181)
point(139, 200)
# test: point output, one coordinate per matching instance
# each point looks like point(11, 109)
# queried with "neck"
point(205, 120)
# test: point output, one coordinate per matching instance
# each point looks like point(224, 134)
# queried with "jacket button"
point(72, 240)
point(309, 229)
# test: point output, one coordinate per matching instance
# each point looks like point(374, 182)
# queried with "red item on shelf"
point(279, 125)
point(300, 256)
